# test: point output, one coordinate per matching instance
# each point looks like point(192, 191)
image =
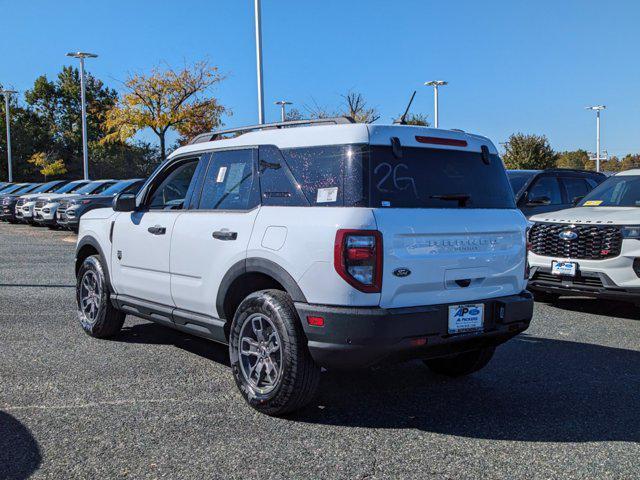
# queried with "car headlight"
point(631, 231)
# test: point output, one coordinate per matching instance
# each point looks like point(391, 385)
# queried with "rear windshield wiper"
point(461, 198)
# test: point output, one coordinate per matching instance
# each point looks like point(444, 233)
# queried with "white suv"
point(593, 249)
point(330, 245)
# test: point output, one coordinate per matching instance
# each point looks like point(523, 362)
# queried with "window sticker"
point(385, 203)
point(592, 203)
point(221, 174)
point(327, 195)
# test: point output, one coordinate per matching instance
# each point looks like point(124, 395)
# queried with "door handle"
point(157, 230)
point(225, 235)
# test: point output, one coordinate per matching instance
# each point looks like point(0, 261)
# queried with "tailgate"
point(453, 255)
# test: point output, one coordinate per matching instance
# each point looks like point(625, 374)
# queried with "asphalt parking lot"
point(562, 400)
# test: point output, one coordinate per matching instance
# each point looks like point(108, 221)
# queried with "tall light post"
point(597, 109)
point(435, 84)
point(85, 148)
point(258, 20)
point(283, 104)
point(7, 97)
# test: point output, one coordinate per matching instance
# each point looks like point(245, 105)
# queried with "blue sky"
point(512, 65)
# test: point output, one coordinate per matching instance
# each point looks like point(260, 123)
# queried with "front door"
point(142, 239)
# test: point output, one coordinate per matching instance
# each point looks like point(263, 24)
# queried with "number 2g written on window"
point(398, 183)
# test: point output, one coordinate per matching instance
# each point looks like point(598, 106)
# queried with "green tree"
point(630, 161)
point(123, 160)
point(164, 100)
point(56, 103)
point(529, 152)
point(419, 119)
point(573, 159)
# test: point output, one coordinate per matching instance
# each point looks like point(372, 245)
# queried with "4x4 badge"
point(402, 272)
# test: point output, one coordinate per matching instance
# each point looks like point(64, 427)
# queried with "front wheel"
point(461, 364)
point(96, 314)
point(271, 364)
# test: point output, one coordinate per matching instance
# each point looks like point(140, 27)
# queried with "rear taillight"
point(358, 259)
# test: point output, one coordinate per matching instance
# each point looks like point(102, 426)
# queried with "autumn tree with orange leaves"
point(164, 100)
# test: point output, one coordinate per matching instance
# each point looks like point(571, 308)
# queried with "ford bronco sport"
point(333, 245)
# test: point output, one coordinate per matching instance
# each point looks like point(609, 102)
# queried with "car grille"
point(593, 242)
point(41, 203)
point(546, 277)
point(62, 207)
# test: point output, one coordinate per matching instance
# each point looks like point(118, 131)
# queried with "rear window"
point(437, 178)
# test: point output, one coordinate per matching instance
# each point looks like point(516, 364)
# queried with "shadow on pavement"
point(534, 389)
point(607, 308)
point(152, 333)
point(19, 452)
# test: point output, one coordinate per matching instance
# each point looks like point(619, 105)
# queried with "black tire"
point(107, 321)
point(545, 297)
point(298, 377)
point(461, 364)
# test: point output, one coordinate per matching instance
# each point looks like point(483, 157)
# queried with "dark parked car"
point(9, 197)
point(9, 201)
point(72, 208)
point(541, 191)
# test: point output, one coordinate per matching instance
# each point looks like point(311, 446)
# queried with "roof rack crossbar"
point(210, 136)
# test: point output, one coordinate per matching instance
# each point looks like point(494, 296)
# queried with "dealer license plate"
point(564, 268)
point(466, 318)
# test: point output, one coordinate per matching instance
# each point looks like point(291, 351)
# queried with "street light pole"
point(85, 148)
point(258, 21)
point(7, 96)
point(283, 104)
point(435, 84)
point(597, 109)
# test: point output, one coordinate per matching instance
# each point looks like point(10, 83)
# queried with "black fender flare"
point(257, 265)
point(91, 241)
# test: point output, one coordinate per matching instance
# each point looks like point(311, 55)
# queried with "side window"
point(575, 188)
point(229, 183)
point(277, 185)
point(170, 194)
point(546, 187)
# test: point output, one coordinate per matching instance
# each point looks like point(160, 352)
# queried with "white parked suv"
point(328, 245)
point(592, 249)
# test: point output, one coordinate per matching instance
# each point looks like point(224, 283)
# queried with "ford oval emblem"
point(402, 272)
point(568, 235)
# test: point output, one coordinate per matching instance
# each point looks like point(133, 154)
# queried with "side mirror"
point(577, 200)
point(537, 201)
point(124, 202)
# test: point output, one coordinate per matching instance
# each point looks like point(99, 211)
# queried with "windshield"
point(11, 188)
point(71, 187)
point(94, 187)
point(618, 191)
point(119, 187)
point(26, 188)
point(46, 188)
point(437, 178)
point(518, 179)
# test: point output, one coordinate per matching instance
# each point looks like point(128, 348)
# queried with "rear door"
point(209, 239)
point(142, 239)
point(449, 219)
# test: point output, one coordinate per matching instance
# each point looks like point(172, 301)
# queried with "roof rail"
point(210, 136)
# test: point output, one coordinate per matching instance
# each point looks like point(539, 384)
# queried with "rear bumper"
point(360, 337)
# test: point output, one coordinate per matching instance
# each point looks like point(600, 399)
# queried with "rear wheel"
point(269, 357)
point(96, 314)
point(461, 364)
